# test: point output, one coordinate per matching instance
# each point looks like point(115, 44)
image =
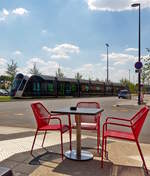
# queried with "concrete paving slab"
point(123, 157)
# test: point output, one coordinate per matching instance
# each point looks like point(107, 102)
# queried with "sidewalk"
point(123, 157)
point(130, 103)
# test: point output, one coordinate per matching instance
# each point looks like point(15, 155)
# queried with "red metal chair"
point(134, 124)
point(43, 119)
point(89, 122)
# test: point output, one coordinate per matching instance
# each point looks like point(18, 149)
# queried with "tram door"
point(36, 88)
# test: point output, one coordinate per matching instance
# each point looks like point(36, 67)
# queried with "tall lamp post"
point(139, 55)
point(107, 45)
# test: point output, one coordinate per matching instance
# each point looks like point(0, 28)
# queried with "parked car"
point(3, 92)
point(124, 94)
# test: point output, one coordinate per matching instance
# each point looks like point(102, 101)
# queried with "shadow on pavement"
point(49, 162)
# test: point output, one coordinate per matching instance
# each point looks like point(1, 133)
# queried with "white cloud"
point(20, 11)
point(45, 67)
point(44, 31)
point(119, 5)
point(3, 14)
point(3, 66)
point(17, 52)
point(62, 51)
point(119, 58)
point(3, 61)
point(88, 70)
point(131, 49)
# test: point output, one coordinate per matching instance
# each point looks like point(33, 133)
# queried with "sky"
point(71, 35)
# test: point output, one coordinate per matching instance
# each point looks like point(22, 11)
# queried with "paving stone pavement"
point(123, 158)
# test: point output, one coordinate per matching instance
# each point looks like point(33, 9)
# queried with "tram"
point(49, 86)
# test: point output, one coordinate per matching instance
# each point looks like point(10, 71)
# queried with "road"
point(18, 113)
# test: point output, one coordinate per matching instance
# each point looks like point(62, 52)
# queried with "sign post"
point(138, 69)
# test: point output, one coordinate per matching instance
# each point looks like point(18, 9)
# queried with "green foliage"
point(126, 83)
point(146, 70)
point(59, 73)
point(12, 70)
point(34, 70)
point(5, 98)
point(5, 81)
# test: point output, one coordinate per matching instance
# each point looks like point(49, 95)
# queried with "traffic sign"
point(138, 65)
point(138, 70)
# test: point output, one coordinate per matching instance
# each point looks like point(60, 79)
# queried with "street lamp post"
point(107, 45)
point(139, 53)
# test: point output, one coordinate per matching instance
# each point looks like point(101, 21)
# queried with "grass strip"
point(5, 98)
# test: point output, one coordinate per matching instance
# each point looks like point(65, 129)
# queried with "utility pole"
point(139, 52)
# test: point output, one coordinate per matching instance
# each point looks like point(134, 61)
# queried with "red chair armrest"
point(47, 118)
point(57, 118)
point(114, 124)
point(119, 124)
point(116, 118)
point(60, 114)
point(56, 114)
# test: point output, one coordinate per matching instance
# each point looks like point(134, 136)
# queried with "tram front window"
point(16, 83)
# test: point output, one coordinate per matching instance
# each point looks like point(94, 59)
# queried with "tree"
point(12, 69)
point(146, 70)
point(34, 70)
point(78, 76)
point(90, 79)
point(59, 73)
point(126, 83)
point(143, 75)
point(97, 79)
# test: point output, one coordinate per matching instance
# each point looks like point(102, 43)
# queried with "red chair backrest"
point(40, 112)
point(138, 120)
point(88, 118)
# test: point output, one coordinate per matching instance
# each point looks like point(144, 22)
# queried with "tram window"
point(44, 87)
point(50, 87)
point(67, 88)
point(73, 87)
point(87, 88)
point(97, 88)
point(61, 88)
point(16, 83)
point(38, 86)
point(22, 84)
point(34, 86)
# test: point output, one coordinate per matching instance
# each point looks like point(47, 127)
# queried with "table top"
point(81, 111)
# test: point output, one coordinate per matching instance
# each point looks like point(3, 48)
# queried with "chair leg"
point(140, 151)
point(34, 141)
point(98, 140)
point(44, 138)
point(105, 147)
point(70, 137)
point(102, 152)
point(62, 153)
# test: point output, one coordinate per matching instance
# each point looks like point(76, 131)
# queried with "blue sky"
point(71, 34)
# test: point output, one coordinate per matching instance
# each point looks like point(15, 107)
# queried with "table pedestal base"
point(85, 155)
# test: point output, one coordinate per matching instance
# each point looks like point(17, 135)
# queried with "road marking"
point(19, 114)
point(114, 110)
point(124, 110)
point(115, 171)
